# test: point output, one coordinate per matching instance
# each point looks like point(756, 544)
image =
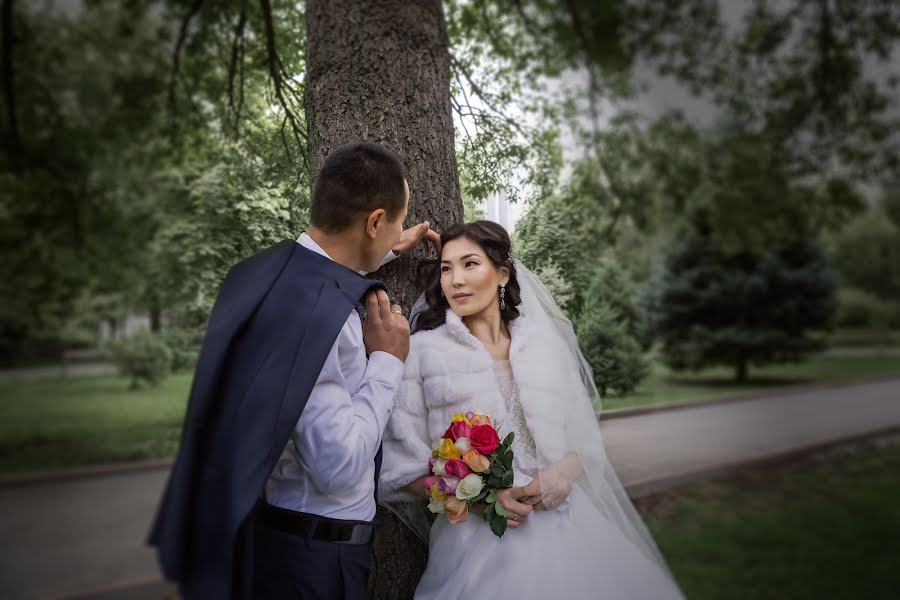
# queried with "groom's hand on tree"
point(385, 329)
point(421, 233)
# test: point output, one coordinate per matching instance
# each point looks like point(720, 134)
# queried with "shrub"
point(143, 356)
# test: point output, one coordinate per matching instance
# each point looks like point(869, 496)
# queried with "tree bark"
point(379, 71)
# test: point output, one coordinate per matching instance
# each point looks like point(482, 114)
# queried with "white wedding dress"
point(572, 552)
point(593, 545)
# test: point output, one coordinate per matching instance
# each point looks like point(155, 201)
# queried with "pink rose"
point(430, 481)
point(448, 485)
point(457, 468)
point(484, 438)
point(458, 430)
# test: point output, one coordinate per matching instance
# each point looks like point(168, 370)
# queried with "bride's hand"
point(547, 490)
point(516, 511)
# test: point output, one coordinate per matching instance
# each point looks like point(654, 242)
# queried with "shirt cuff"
point(391, 255)
point(385, 367)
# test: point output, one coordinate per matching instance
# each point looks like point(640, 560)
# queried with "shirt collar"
point(310, 244)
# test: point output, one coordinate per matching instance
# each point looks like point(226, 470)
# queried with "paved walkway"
point(73, 536)
point(58, 371)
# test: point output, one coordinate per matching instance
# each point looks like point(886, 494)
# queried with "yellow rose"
point(448, 450)
point(456, 510)
point(435, 492)
point(460, 417)
point(477, 461)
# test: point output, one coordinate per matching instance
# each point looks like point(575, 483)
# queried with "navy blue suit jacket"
point(273, 324)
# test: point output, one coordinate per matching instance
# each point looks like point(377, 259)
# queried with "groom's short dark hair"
point(355, 179)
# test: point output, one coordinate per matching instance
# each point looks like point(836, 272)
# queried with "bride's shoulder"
point(429, 338)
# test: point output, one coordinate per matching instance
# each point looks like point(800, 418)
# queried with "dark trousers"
point(288, 566)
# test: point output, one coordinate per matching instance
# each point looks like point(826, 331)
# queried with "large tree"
point(381, 72)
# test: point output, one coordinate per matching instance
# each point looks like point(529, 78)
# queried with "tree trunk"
point(155, 319)
point(740, 370)
point(379, 71)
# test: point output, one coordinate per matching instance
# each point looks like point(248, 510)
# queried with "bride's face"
point(469, 279)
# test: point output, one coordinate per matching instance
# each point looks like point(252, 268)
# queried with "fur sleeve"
point(406, 445)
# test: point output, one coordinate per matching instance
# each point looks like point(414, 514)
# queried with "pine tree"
point(714, 307)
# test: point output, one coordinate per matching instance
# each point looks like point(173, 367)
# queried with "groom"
point(273, 491)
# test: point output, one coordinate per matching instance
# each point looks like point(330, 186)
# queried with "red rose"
point(484, 438)
point(458, 430)
point(457, 468)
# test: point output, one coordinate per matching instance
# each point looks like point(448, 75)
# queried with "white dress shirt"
point(328, 465)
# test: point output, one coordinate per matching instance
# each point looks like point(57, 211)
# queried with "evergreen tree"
point(710, 306)
point(608, 329)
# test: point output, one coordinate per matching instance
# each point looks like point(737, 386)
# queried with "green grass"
point(59, 423)
point(837, 366)
point(823, 527)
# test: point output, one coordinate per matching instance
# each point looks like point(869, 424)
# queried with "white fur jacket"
point(449, 371)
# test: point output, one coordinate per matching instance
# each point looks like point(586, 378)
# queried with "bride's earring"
point(502, 296)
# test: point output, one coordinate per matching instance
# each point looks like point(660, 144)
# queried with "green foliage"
point(858, 308)
point(609, 328)
point(217, 215)
point(185, 347)
point(556, 283)
point(143, 357)
point(564, 235)
point(867, 255)
point(710, 306)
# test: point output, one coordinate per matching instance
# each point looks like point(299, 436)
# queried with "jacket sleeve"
point(406, 444)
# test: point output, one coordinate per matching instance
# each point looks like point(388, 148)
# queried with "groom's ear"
point(376, 220)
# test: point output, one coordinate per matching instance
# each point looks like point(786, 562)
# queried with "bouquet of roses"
point(468, 466)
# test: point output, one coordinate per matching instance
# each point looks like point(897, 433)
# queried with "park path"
point(58, 371)
point(66, 538)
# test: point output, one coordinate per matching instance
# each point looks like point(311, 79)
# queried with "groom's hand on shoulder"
point(385, 329)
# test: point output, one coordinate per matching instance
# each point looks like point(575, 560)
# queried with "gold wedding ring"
point(396, 312)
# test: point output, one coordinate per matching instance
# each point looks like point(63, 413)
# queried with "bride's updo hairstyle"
point(494, 240)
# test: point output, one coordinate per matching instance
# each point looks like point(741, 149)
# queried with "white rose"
point(463, 444)
point(437, 506)
point(469, 487)
point(439, 467)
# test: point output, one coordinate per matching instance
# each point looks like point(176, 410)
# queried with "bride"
point(488, 336)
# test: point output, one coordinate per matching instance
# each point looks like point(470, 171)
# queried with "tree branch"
point(593, 86)
point(483, 97)
point(176, 56)
point(237, 55)
point(280, 81)
point(11, 133)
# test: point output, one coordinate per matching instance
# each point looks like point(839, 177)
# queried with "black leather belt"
point(322, 528)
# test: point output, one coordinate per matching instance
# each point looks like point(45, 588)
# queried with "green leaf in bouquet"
point(494, 481)
point(489, 512)
point(498, 508)
point(491, 497)
point(508, 440)
point(498, 525)
point(507, 480)
point(481, 496)
point(497, 468)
